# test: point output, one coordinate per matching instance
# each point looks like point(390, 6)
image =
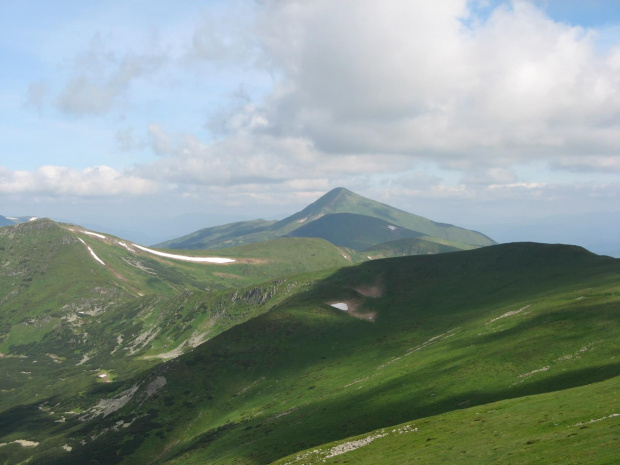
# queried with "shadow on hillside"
point(323, 422)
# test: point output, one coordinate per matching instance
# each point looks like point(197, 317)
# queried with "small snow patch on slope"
point(185, 257)
point(90, 233)
point(341, 306)
point(126, 246)
point(92, 253)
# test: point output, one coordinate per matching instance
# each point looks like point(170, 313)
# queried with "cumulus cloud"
point(364, 95)
point(426, 80)
point(251, 158)
point(96, 181)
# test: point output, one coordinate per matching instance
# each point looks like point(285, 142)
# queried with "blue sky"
point(465, 112)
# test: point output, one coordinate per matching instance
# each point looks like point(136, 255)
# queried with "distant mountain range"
point(342, 217)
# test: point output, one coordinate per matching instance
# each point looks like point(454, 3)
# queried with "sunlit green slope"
point(577, 426)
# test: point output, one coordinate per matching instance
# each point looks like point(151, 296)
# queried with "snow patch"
point(90, 233)
point(341, 306)
point(185, 257)
point(126, 246)
point(392, 228)
point(92, 253)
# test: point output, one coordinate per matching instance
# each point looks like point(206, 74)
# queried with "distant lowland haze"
point(151, 120)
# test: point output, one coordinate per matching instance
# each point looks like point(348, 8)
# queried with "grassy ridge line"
point(578, 426)
point(450, 331)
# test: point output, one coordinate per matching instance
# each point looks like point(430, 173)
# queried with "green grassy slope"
point(337, 201)
point(357, 232)
point(406, 247)
point(64, 315)
point(578, 425)
point(423, 336)
point(228, 235)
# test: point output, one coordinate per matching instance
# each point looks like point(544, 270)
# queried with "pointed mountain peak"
point(335, 196)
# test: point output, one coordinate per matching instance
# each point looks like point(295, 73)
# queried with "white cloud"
point(410, 78)
point(96, 181)
point(609, 164)
point(362, 94)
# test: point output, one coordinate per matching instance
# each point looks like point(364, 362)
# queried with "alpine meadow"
point(310, 232)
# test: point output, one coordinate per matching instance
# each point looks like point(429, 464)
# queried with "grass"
point(578, 425)
point(450, 332)
point(56, 299)
point(426, 339)
point(357, 232)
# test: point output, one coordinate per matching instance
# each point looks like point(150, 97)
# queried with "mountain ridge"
point(336, 201)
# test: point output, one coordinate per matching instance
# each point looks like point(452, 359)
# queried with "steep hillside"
point(406, 247)
point(342, 200)
point(357, 232)
point(577, 425)
point(73, 301)
point(228, 235)
point(337, 201)
point(421, 336)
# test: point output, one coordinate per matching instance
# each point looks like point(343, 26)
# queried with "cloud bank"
point(472, 100)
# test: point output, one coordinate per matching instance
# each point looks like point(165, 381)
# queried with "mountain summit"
point(336, 202)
